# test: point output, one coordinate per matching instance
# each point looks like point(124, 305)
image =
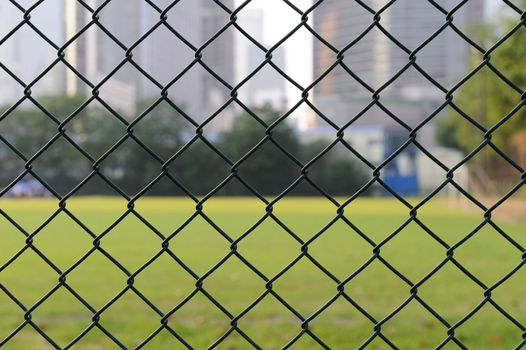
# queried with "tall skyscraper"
point(267, 86)
point(376, 59)
point(219, 56)
point(161, 56)
point(26, 54)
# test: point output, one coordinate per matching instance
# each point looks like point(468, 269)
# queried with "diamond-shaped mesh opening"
point(304, 300)
point(238, 219)
point(280, 324)
point(55, 315)
point(340, 249)
point(129, 319)
point(17, 125)
point(166, 67)
point(451, 128)
point(38, 56)
point(451, 293)
point(474, 255)
point(163, 213)
point(199, 321)
point(356, 90)
point(199, 168)
point(95, 129)
point(266, 78)
point(87, 275)
point(270, 154)
point(95, 214)
point(269, 235)
point(69, 174)
point(283, 11)
point(130, 167)
point(161, 129)
point(17, 211)
point(111, 16)
point(417, 31)
point(349, 167)
point(359, 215)
point(488, 163)
point(364, 289)
point(330, 16)
point(28, 278)
point(154, 277)
point(431, 216)
point(483, 113)
point(290, 210)
point(199, 245)
point(104, 64)
point(229, 284)
point(414, 317)
point(376, 149)
point(63, 241)
point(353, 328)
point(131, 242)
point(422, 248)
point(415, 95)
point(458, 51)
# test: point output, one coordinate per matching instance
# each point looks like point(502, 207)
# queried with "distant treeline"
point(164, 139)
point(490, 104)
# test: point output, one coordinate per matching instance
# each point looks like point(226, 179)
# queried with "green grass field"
point(270, 248)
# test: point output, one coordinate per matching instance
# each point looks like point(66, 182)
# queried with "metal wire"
point(340, 292)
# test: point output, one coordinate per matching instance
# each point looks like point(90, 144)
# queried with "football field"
point(133, 270)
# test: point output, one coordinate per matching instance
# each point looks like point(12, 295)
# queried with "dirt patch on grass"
point(513, 210)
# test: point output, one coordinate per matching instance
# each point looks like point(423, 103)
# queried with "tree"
point(269, 170)
point(29, 128)
point(95, 130)
point(486, 97)
point(160, 129)
point(336, 173)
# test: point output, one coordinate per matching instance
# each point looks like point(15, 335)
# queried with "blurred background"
point(201, 93)
point(106, 104)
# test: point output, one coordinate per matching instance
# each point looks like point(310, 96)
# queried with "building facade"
point(159, 59)
point(267, 86)
point(26, 54)
point(376, 58)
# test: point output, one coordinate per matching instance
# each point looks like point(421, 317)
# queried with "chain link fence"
point(65, 132)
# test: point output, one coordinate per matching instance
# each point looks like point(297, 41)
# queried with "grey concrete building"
point(267, 86)
point(375, 58)
point(162, 55)
point(26, 54)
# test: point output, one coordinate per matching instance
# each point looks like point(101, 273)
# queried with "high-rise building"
point(375, 58)
point(266, 87)
point(219, 56)
point(26, 54)
point(164, 55)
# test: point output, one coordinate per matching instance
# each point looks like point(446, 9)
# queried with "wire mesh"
point(268, 281)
